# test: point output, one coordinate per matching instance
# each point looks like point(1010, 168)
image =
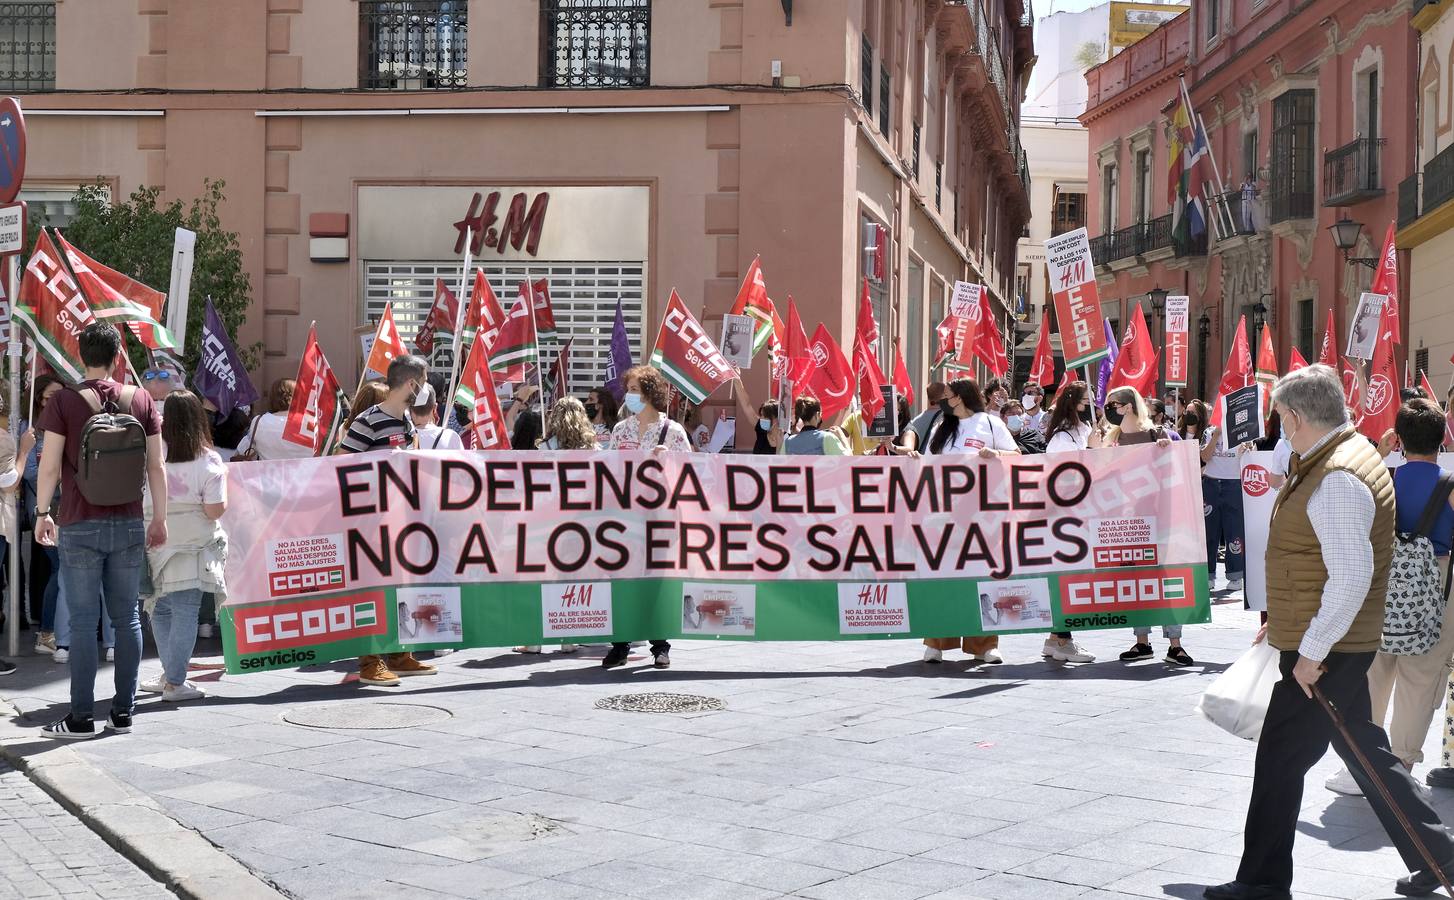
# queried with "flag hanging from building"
point(388, 345)
point(221, 376)
point(619, 358)
point(315, 420)
point(901, 376)
point(685, 354)
point(52, 310)
point(1042, 367)
point(518, 345)
point(1187, 152)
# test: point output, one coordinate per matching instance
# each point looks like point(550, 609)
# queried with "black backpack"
point(111, 464)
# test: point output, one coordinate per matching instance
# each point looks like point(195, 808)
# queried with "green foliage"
point(135, 237)
point(1089, 55)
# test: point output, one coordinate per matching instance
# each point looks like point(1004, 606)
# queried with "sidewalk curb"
point(132, 823)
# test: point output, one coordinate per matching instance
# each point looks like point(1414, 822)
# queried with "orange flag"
point(388, 345)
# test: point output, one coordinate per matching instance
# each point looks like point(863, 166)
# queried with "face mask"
point(1113, 415)
point(419, 398)
point(592, 410)
point(944, 408)
point(1085, 415)
point(1015, 423)
point(552, 444)
point(1029, 401)
point(1286, 432)
point(1193, 422)
point(634, 402)
point(764, 424)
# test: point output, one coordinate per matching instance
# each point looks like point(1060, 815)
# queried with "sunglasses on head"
point(156, 375)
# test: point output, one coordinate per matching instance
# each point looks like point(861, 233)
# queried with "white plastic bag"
point(1237, 701)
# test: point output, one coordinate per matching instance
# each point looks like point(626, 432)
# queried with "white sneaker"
point(155, 686)
point(111, 654)
point(187, 691)
point(45, 642)
point(1051, 644)
point(1070, 651)
point(61, 654)
point(1235, 584)
point(932, 655)
point(1343, 783)
point(991, 656)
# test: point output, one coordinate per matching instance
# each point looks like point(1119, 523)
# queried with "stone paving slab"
point(837, 770)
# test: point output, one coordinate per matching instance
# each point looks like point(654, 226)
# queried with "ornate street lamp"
point(1345, 233)
point(1204, 330)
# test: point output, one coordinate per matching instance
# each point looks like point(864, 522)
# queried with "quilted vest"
point(1296, 574)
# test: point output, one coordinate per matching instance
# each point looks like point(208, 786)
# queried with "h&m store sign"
point(428, 222)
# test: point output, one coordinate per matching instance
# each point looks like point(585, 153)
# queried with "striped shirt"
point(378, 429)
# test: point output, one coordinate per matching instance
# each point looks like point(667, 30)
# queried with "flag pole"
point(464, 269)
point(12, 621)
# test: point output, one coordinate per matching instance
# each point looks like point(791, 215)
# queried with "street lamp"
point(1204, 330)
point(1345, 233)
point(1259, 319)
point(1157, 296)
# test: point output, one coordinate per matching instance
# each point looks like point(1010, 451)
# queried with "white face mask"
point(1029, 401)
point(1015, 423)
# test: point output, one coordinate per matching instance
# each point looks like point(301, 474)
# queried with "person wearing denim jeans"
point(101, 545)
point(174, 628)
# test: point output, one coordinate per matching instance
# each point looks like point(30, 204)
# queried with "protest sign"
point(1077, 299)
point(1364, 334)
point(886, 423)
point(1178, 340)
point(1258, 497)
point(1242, 415)
point(964, 303)
point(767, 547)
point(736, 344)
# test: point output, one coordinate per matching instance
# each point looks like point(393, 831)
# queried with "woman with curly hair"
point(567, 427)
point(647, 426)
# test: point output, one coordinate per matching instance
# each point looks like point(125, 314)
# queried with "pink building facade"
point(619, 149)
point(1309, 113)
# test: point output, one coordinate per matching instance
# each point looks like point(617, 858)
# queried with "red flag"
point(484, 315)
point(443, 313)
point(870, 379)
point(948, 347)
point(1427, 388)
point(685, 354)
point(1385, 281)
point(517, 344)
point(1328, 352)
point(984, 340)
point(753, 301)
point(113, 295)
point(1238, 373)
point(487, 422)
point(1296, 362)
point(867, 330)
point(1266, 359)
point(1136, 364)
point(388, 345)
point(1353, 387)
point(1042, 367)
point(831, 378)
point(1408, 381)
point(539, 296)
point(800, 353)
point(475, 376)
point(901, 376)
point(1380, 400)
point(560, 371)
point(52, 310)
point(315, 420)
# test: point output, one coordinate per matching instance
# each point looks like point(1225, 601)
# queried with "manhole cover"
point(660, 703)
point(367, 716)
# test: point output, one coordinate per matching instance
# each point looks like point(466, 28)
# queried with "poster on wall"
point(1077, 299)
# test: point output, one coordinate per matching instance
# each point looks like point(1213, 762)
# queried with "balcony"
point(1284, 203)
point(1236, 215)
point(27, 47)
point(1439, 179)
point(1352, 173)
point(1141, 239)
point(1408, 200)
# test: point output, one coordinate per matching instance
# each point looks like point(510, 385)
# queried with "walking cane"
point(1383, 792)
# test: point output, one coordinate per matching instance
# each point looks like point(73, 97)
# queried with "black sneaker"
point(6, 667)
point(1178, 656)
point(1138, 651)
point(616, 658)
point(1420, 884)
point(119, 722)
point(70, 729)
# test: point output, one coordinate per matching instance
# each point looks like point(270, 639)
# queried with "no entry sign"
point(12, 149)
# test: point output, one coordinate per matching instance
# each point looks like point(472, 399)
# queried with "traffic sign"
point(12, 228)
point(12, 149)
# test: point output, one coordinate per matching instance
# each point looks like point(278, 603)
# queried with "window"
point(939, 184)
point(595, 43)
point(1368, 122)
point(1214, 19)
point(1305, 324)
point(1249, 155)
point(411, 45)
point(914, 341)
point(1069, 212)
point(918, 130)
point(1421, 365)
point(1144, 184)
point(1291, 163)
point(878, 291)
point(54, 206)
point(583, 295)
point(885, 91)
point(866, 64)
point(1110, 187)
point(28, 47)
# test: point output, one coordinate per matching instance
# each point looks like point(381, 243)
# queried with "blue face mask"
point(764, 424)
point(634, 403)
point(552, 444)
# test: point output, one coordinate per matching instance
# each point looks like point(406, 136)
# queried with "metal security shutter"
point(583, 294)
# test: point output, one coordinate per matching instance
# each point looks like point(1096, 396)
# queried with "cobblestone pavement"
point(47, 852)
point(837, 770)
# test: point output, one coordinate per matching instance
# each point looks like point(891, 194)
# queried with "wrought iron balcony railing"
point(27, 47)
point(595, 43)
point(407, 45)
point(1353, 172)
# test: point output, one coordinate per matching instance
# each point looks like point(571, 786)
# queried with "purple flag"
point(1108, 364)
point(221, 377)
point(620, 358)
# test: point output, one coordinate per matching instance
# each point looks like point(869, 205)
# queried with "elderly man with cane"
point(1332, 534)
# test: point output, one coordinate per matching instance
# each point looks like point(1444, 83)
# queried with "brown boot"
point(404, 664)
point(371, 670)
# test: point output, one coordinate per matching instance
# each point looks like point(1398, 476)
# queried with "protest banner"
point(1258, 498)
point(1242, 415)
point(328, 554)
point(1077, 299)
point(1364, 333)
point(737, 346)
point(964, 303)
point(1178, 340)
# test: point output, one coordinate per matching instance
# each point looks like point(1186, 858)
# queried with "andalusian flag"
point(120, 298)
point(1184, 190)
point(483, 314)
point(52, 310)
point(752, 300)
point(518, 345)
point(475, 376)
